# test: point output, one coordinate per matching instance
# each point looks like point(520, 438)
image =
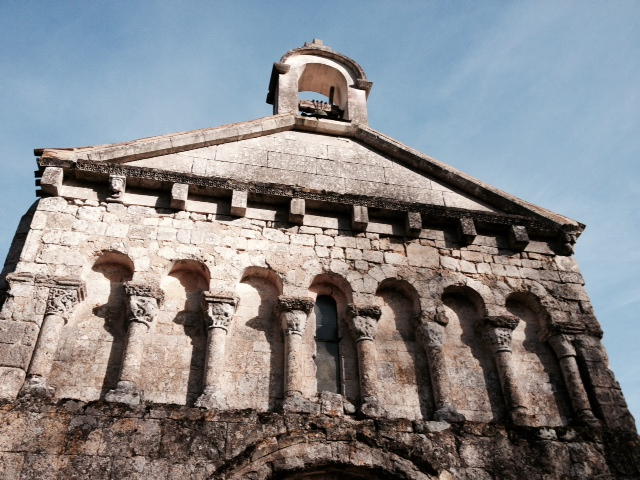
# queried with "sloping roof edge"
point(184, 141)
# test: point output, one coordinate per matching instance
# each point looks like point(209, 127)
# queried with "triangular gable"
point(312, 155)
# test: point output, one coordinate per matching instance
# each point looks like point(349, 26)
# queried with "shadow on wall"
point(254, 357)
point(545, 392)
point(472, 372)
point(403, 372)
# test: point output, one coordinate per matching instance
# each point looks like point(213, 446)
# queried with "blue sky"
point(540, 99)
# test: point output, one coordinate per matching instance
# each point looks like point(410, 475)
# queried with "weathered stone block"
point(296, 211)
point(239, 203)
point(179, 194)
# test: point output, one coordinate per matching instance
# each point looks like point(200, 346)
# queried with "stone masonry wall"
point(517, 338)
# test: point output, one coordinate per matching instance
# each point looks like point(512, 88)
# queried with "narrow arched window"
point(327, 345)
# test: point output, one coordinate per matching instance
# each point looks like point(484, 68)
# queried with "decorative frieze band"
point(268, 189)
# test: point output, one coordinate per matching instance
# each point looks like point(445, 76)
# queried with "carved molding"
point(363, 321)
point(219, 309)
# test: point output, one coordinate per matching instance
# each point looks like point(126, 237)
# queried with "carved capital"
point(293, 313)
point(363, 321)
point(431, 335)
point(562, 345)
point(64, 295)
point(219, 309)
point(117, 186)
point(497, 331)
point(143, 302)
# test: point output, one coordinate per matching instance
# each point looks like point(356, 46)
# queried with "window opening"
point(327, 345)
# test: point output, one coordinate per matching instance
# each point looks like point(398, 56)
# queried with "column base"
point(587, 419)
point(211, 399)
point(448, 413)
point(36, 386)
point(371, 408)
point(125, 392)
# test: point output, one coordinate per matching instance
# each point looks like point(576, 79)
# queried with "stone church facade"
point(298, 297)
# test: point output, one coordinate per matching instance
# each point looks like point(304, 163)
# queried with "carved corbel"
point(117, 187)
point(518, 237)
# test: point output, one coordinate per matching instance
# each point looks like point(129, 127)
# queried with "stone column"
point(363, 323)
point(64, 296)
point(218, 313)
point(142, 308)
point(293, 313)
point(563, 347)
point(431, 337)
point(497, 333)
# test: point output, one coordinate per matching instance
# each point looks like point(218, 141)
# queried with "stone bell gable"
point(298, 296)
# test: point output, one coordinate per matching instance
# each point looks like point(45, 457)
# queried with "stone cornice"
point(86, 159)
point(130, 171)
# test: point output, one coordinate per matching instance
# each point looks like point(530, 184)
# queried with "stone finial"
point(363, 321)
point(219, 309)
point(117, 186)
point(64, 296)
point(293, 312)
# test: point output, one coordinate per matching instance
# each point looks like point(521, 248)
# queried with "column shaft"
point(431, 337)
point(497, 332)
point(566, 353)
point(363, 323)
point(64, 295)
point(293, 314)
point(142, 308)
point(219, 310)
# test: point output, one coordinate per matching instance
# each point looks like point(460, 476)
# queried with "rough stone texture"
point(103, 441)
point(466, 344)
